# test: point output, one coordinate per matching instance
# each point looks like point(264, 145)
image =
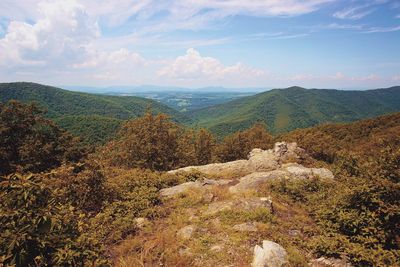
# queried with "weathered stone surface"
point(179, 189)
point(330, 262)
point(254, 180)
point(270, 254)
point(246, 227)
point(258, 160)
point(287, 171)
point(301, 172)
point(186, 232)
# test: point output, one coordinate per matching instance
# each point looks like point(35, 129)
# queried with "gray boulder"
point(199, 185)
point(270, 254)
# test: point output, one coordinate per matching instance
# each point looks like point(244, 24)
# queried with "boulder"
point(270, 254)
point(329, 262)
point(254, 180)
point(300, 172)
point(288, 171)
point(197, 185)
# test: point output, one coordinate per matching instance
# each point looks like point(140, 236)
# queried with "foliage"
point(82, 184)
point(28, 142)
point(204, 146)
point(153, 142)
point(90, 111)
point(239, 145)
point(134, 194)
point(36, 229)
point(284, 110)
point(93, 129)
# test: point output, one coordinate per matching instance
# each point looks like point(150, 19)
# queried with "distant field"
point(191, 100)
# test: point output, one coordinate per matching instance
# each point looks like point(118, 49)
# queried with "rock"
point(178, 189)
point(254, 180)
point(141, 222)
point(216, 248)
point(245, 204)
point(258, 160)
point(294, 233)
point(246, 227)
point(288, 152)
point(186, 232)
point(300, 172)
point(270, 254)
point(288, 171)
point(268, 202)
point(199, 185)
point(331, 262)
point(323, 173)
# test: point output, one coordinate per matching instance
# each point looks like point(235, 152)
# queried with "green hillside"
point(286, 109)
point(93, 117)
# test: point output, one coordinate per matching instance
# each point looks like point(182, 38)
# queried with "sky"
point(198, 43)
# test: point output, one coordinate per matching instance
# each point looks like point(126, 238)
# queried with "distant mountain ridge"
point(295, 107)
point(93, 116)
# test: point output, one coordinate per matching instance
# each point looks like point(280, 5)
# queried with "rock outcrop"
point(287, 171)
point(199, 185)
point(262, 165)
point(270, 254)
point(258, 160)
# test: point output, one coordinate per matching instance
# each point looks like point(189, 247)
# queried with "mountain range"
point(96, 117)
point(283, 110)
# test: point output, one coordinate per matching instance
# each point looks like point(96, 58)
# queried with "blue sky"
point(189, 43)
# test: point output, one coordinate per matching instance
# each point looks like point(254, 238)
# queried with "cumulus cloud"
point(194, 66)
point(61, 36)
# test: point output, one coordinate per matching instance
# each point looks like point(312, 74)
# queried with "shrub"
point(31, 143)
point(36, 229)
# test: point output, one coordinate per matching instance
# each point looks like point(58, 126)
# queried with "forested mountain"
point(332, 197)
point(295, 107)
point(94, 117)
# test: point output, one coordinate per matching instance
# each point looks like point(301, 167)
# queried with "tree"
point(151, 142)
point(204, 145)
point(31, 143)
point(239, 144)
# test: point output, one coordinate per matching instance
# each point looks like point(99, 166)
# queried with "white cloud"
point(383, 29)
point(168, 14)
point(193, 66)
point(353, 13)
point(61, 36)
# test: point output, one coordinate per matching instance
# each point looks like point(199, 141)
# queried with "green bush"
point(36, 229)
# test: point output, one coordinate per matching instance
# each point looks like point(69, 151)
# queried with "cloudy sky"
point(196, 43)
